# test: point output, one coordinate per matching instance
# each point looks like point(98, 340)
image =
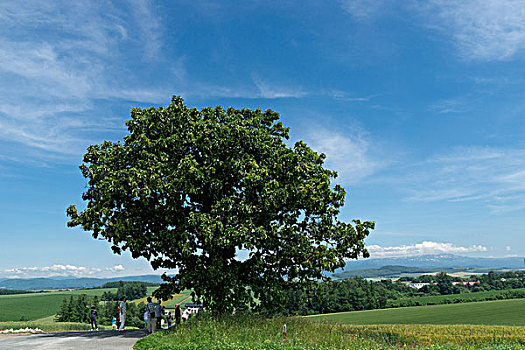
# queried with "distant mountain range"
point(69, 282)
point(437, 261)
point(362, 267)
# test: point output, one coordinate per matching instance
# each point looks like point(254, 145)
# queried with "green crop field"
point(33, 306)
point(501, 312)
point(177, 298)
point(30, 306)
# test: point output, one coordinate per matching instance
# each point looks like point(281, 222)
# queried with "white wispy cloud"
point(351, 152)
point(271, 91)
point(489, 30)
point(345, 96)
point(494, 176)
point(423, 248)
point(52, 77)
point(60, 270)
point(258, 88)
point(481, 30)
point(150, 28)
point(362, 9)
point(455, 105)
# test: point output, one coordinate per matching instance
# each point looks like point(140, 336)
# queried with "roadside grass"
point(255, 332)
point(500, 312)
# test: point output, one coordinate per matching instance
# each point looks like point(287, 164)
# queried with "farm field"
point(177, 298)
point(91, 292)
point(34, 306)
point(30, 306)
point(439, 299)
point(500, 312)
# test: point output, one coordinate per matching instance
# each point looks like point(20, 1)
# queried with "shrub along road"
point(99, 340)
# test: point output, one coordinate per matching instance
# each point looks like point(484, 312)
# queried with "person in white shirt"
point(122, 312)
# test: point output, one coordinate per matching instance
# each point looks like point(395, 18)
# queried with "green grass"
point(177, 298)
point(34, 306)
point(258, 333)
point(30, 306)
point(501, 312)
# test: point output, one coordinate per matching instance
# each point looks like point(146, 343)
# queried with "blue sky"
point(418, 106)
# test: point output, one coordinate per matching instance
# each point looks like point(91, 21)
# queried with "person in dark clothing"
point(93, 316)
point(158, 314)
point(169, 318)
point(178, 314)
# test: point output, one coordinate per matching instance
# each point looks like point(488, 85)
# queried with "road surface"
point(99, 340)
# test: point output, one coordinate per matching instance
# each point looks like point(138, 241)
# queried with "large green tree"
point(187, 189)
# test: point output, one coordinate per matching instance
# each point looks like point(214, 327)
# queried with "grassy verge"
point(252, 332)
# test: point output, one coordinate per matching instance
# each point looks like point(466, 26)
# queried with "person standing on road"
point(114, 323)
point(150, 309)
point(178, 314)
point(146, 315)
point(122, 313)
point(158, 314)
point(169, 318)
point(93, 317)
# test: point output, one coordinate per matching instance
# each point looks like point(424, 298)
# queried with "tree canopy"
point(187, 189)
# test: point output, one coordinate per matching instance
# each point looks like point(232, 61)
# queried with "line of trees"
point(15, 291)
point(359, 294)
point(130, 290)
point(347, 295)
point(116, 284)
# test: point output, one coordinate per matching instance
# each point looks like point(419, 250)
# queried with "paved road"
point(100, 340)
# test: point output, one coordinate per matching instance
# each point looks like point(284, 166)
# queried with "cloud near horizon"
point(59, 270)
point(423, 248)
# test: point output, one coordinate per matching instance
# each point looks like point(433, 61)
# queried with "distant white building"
point(469, 283)
point(417, 285)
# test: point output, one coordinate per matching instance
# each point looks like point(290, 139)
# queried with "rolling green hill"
point(30, 306)
point(34, 306)
point(501, 312)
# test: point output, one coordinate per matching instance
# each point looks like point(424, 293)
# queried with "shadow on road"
point(131, 333)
